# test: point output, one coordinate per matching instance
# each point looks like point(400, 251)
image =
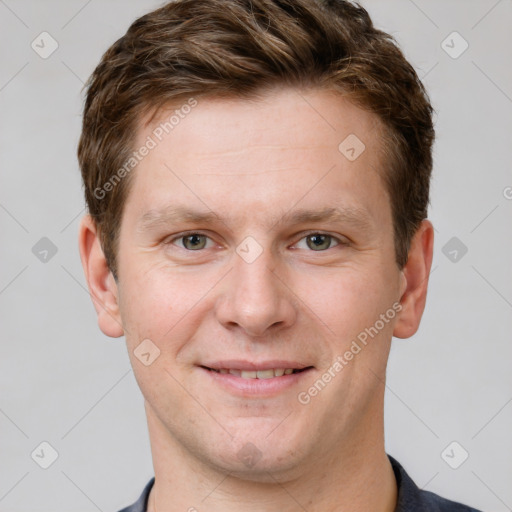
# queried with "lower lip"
point(257, 387)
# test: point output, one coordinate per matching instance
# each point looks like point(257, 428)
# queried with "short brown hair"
point(237, 48)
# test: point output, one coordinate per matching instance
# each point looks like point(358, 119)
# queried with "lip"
point(255, 388)
point(239, 364)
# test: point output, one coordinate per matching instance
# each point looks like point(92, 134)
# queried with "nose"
point(255, 298)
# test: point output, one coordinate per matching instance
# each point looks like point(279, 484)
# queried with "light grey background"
point(63, 382)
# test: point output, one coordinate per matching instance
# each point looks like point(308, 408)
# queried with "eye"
point(192, 241)
point(319, 242)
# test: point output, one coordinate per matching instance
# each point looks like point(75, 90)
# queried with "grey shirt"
point(410, 497)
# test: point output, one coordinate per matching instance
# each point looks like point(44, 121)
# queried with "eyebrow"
point(359, 218)
point(173, 214)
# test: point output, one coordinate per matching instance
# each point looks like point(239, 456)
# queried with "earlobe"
point(102, 285)
point(414, 277)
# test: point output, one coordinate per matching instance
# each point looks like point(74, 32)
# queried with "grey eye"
point(194, 241)
point(319, 242)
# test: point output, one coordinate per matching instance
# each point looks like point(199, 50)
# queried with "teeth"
point(259, 374)
point(265, 374)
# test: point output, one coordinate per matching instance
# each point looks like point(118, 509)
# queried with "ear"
point(101, 282)
point(415, 276)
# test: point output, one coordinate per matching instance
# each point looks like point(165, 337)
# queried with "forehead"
point(272, 151)
point(279, 113)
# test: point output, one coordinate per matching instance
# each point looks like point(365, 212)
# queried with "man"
point(257, 177)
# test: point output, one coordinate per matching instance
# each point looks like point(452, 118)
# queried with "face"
point(251, 244)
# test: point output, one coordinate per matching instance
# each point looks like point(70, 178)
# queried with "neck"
point(355, 477)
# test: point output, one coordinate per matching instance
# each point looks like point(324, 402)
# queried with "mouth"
point(269, 373)
point(258, 380)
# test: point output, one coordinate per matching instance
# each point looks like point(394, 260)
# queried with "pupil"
point(319, 241)
point(193, 241)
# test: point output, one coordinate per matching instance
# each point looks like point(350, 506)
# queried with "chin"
point(258, 457)
point(269, 468)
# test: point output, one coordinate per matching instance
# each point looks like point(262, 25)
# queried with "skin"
point(253, 163)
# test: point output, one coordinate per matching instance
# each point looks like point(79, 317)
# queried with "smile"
point(256, 380)
point(258, 374)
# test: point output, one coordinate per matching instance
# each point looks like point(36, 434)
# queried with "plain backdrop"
point(64, 383)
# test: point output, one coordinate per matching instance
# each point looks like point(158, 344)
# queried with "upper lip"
point(236, 364)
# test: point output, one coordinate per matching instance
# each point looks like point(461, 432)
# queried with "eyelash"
point(340, 243)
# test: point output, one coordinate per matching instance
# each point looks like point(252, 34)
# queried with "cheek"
point(163, 305)
point(346, 301)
